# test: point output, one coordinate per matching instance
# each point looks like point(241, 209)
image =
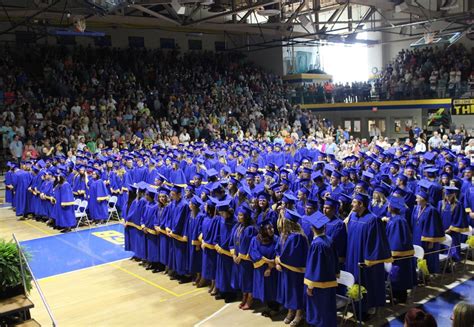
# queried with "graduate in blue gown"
point(133, 221)
point(320, 279)
point(98, 197)
point(79, 186)
point(161, 222)
point(367, 244)
point(243, 233)
point(335, 228)
point(208, 239)
point(312, 206)
point(400, 238)
point(147, 224)
point(265, 277)
point(454, 219)
point(9, 183)
point(264, 210)
point(46, 193)
point(225, 262)
point(63, 210)
point(428, 230)
point(378, 205)
point(194, 229)
point(21, 181)
point(179, 211)
point(292, 250)
point(128, 228)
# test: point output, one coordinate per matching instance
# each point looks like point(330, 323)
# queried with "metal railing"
point(24, 263)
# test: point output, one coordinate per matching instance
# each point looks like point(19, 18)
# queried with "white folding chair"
point(446, 258)
point(348, 280)
point(81, 214)
point(112, 208)
point(465, 247)
point(388, 282)
point(419, 255)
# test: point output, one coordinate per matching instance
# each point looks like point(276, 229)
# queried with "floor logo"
point(111, 236)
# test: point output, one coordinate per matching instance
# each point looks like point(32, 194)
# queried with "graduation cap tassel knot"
point(353, 292)
point(423, 266)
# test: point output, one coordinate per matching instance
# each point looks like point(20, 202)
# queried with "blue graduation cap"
point(196, 200)
point(317, 175)
point(313, 203)
point(344, 198)
point(241, 170)
point(292, 215)
point(223, 205)
point(367, 175)
point(263, 195)
point(362, 197)
point(164, 190)
point(177, 188)
point(336, 174)
point(425, 184)
point(212, 173)
point(264, 223)
point(289, 198)
point(432, 171)
point(396, 202)
point(451, 190)
point(244, 209)
point(152, 190)
point(317, 220)
point(422, 194)
point(429, 156)
point(332, 201)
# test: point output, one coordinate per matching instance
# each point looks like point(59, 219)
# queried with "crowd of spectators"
point(430, 72)
point(56, 99)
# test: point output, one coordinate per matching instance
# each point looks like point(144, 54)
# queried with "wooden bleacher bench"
point(28, 323)
point(19, 303)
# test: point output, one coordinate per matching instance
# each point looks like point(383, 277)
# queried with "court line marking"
point(111, 264)
point(213, 315)
point(47, 279)
point(429, 298)
point(50, 233)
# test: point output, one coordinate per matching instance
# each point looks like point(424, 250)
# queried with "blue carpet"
point(442, 306)
point(63, 253)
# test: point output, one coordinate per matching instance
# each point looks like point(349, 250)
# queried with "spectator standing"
point(435, 141)
point(16, 148)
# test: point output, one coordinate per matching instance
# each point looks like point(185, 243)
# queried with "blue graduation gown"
point(162, 221)
point(400, 238)
point(177, 176)
point(379, 211)
point(45, 207)
point(240, 247)
point(179, 211)
point(455, 222)
point(322, 269)
point(194, 229)
point(8, 182)
point(98, 196)
point(133, 220)
point(63, 210)
point(209, 240)
point(225, 262)
point(264, 288)
point(139, 174)
point(291, 255)
point(336, 231)
point(268, 214)
point(367, 243)
point(151, 238)
point(79, 187)
point(428, 232)
point(21, 183)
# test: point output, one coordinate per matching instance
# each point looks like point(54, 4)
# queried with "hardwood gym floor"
point(88, 280)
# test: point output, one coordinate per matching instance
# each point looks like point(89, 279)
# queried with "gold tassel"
point(423, 266)
point(353, 292)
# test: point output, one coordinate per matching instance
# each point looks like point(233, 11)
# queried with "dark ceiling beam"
point(155, 14)
point(236, 11)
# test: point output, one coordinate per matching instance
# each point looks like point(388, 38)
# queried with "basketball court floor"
point(88, 280)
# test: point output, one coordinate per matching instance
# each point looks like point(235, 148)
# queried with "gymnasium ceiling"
point(262, 21)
